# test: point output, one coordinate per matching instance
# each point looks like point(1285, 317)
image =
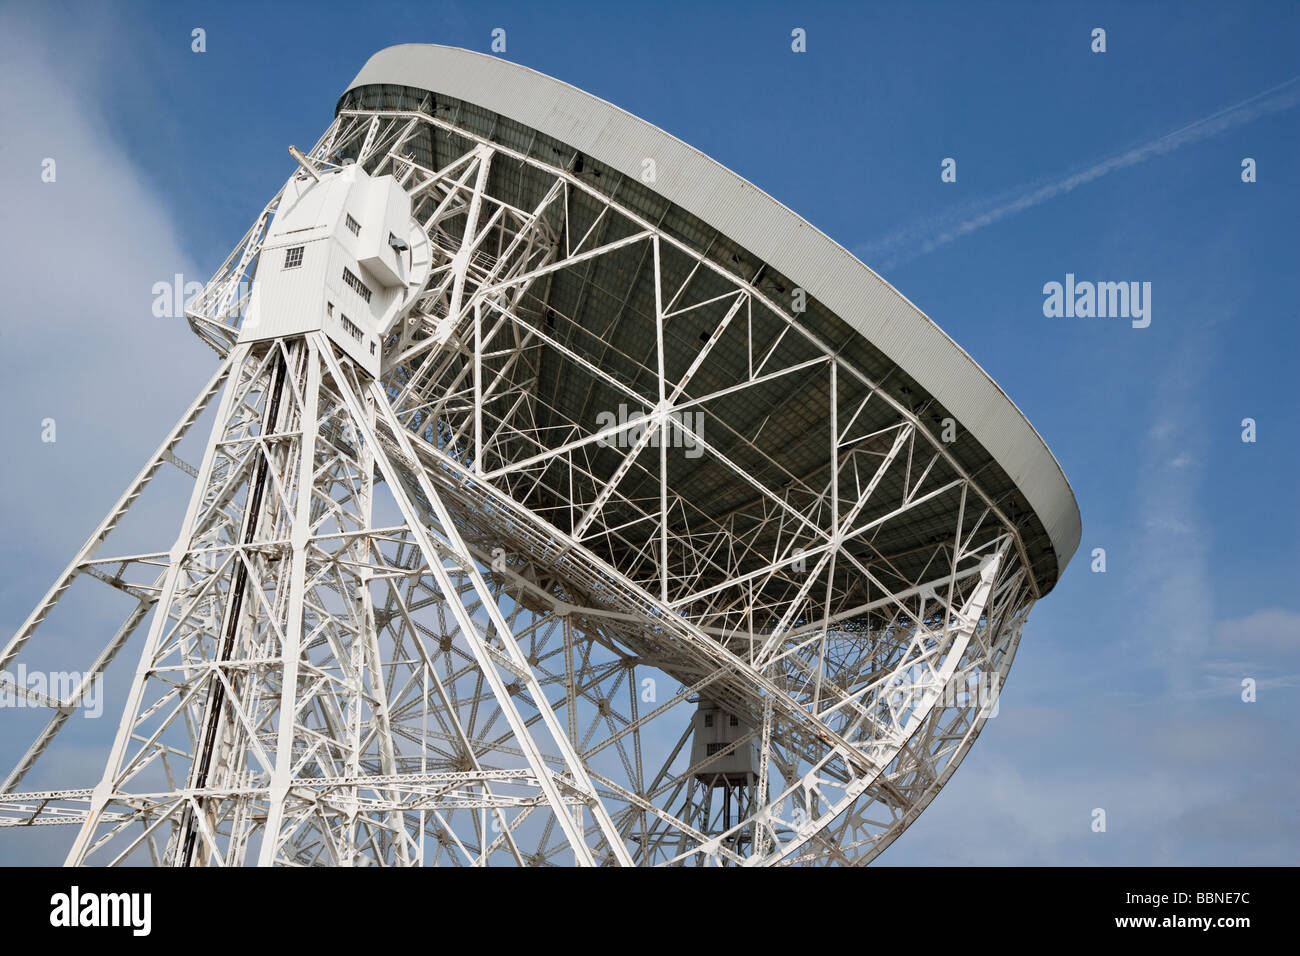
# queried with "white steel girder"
point(371, 645)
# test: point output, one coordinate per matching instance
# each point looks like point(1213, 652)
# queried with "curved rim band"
point(826, 270)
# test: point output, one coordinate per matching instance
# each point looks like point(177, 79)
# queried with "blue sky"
point(1126, 691)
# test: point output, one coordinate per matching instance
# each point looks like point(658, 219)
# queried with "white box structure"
point(338, 258)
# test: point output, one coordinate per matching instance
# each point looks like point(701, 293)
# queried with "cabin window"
point(356, 284)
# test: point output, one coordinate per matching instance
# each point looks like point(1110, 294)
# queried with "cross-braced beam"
point(608, 485)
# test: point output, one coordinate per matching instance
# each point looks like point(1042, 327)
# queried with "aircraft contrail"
point(939, 231)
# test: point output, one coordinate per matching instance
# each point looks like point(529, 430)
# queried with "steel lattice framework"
point(452, 616)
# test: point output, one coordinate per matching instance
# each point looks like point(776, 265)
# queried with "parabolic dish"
point(568, 500)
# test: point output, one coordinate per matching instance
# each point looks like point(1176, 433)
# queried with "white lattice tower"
point(420, 588)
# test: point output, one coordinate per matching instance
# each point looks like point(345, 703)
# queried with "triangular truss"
point(442, 618)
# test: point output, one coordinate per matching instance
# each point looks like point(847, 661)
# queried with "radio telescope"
point(567, 500)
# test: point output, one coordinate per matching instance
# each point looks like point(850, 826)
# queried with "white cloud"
point(78, 260)
point(1272, 630)
point(80, 257)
